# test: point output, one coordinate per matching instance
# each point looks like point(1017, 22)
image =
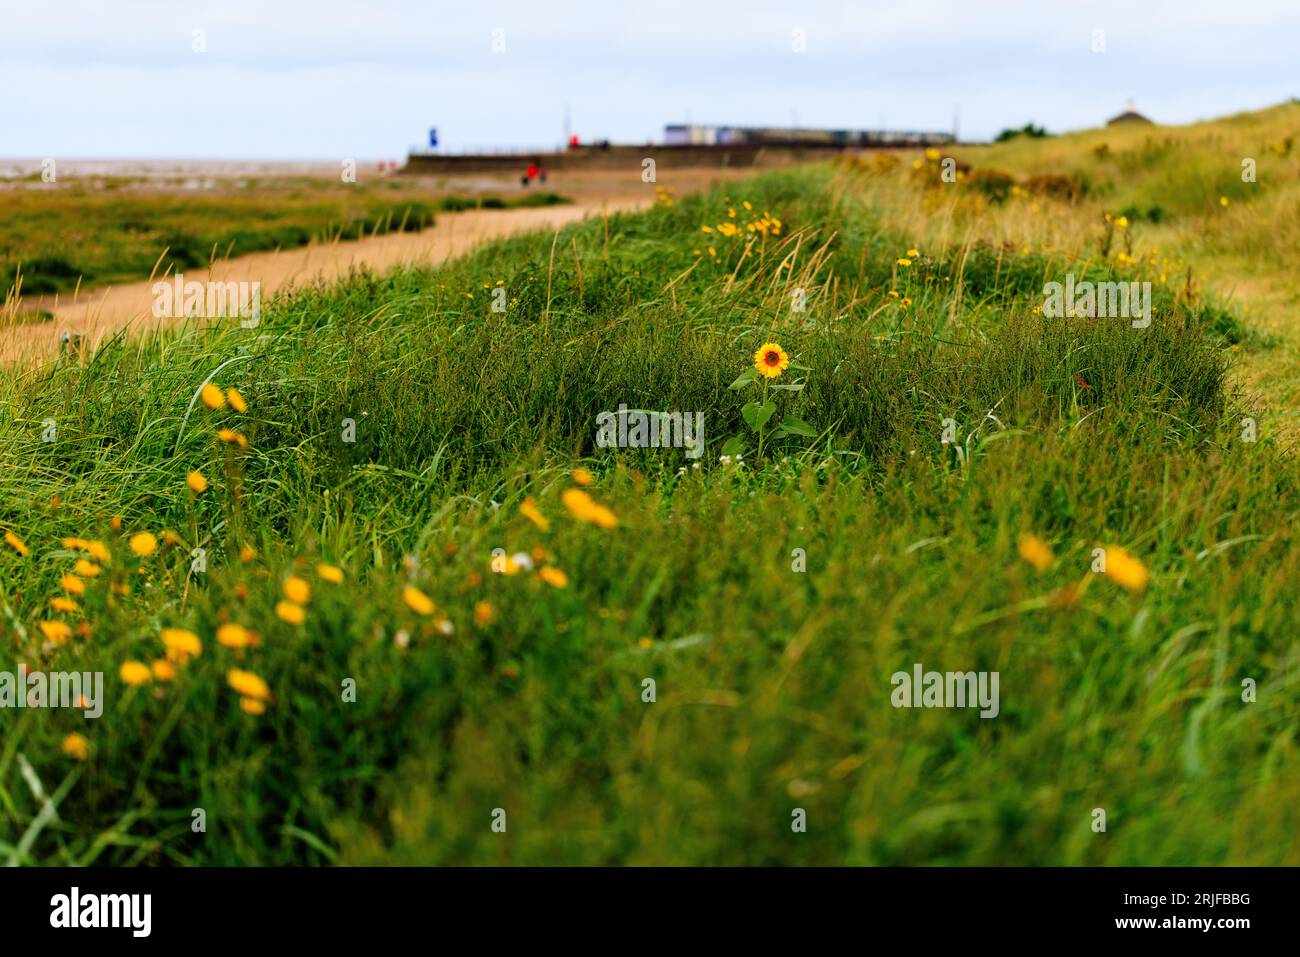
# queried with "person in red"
point(532, 171)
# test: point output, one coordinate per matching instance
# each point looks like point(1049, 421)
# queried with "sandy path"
point(97, 313)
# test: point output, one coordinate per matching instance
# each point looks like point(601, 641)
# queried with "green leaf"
point(790, 387)
point(744, 379)
point(734, 445)
point(766, 412)
point(797, 426)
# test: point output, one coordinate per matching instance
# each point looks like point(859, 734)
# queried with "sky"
point(366, 79)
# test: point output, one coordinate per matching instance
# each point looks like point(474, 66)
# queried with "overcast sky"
point(365, 79)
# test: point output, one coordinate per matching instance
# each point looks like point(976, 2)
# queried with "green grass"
point(772, 685)
point(99, 232)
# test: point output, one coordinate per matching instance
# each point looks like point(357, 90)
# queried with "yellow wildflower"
point(233, 636)
point(553, 576)
point(1035, 551)
point(289, 612)
point(1125, 569)
point(212, 396)
point(55, 631)
point(248, 684)
point(75, 746)
point(584, 508)
point(417, 601)
point(528, 509)
point(134, 673)
point(17, 544)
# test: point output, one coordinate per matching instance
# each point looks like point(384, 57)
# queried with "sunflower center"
point(772, 358)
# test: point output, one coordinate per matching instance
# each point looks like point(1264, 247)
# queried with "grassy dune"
point(769, 596)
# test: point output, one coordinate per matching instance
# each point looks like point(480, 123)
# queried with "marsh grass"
point(83, 234)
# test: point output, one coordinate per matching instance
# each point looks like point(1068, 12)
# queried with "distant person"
point(532, 171)
point(573, 141)
point(541, 174)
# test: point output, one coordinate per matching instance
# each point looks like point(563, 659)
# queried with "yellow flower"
point(248, 684)
point(483, 614)
point(252, 706)
point(1126, 570)
point(330, 573)
point(212, 396)
point(233, 636)
point(288, 611)
point(528, 509)
point(247, 553)
point(86, 569)
point(55, 631)
point(553, 577)
point(134, 673)
point(583, 477)
point(75, 746)
point(905, 262)
point(163, 670)
point(96, 550)
point(236, 400)
point(17, 544)
point(66, 605)
point(196, 482)
point(182, 644)
point(417, 601)
point(771, 360)
point(584, 508)
point(143, 544)
point(912, 253)
point(1223, 201)
point(1035, 551)
point(297, 590)
point(931, 153)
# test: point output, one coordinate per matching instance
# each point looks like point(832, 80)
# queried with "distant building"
point(1129, 115)
point(693, 135)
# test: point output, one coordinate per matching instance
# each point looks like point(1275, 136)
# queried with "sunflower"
point(771, 360)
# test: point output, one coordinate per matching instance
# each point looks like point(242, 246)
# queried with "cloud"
point(330, 78)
